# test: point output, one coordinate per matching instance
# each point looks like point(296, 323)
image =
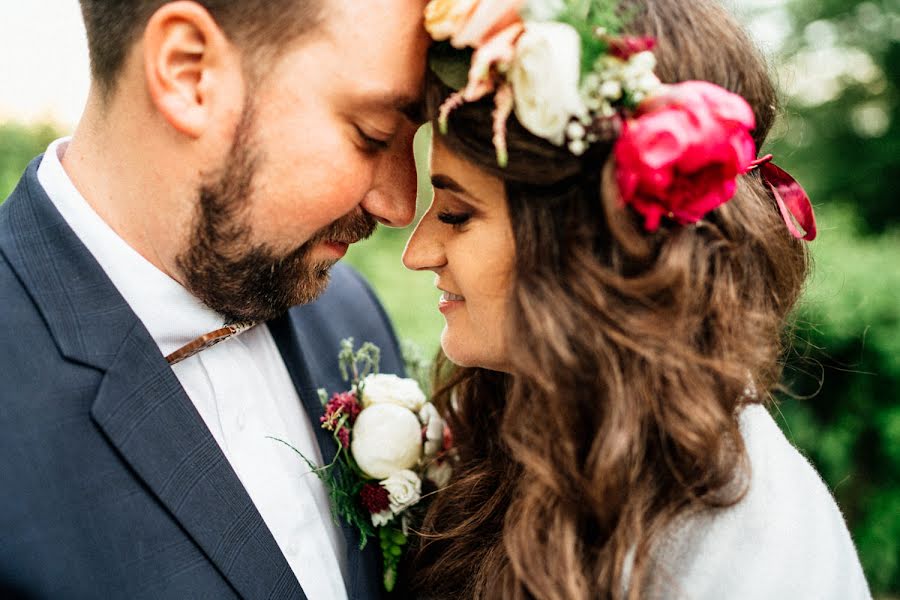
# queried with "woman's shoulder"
point(785, 539)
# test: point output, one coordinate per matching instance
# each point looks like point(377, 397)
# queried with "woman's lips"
point(449, 301)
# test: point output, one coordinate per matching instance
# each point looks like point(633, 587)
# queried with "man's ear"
point(187, 61)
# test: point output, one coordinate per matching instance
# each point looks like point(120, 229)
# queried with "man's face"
point(322, 152)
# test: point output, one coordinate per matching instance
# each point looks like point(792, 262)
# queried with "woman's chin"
point(459, 351)
point(471, 352)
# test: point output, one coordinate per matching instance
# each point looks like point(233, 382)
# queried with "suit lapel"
point(140, 405)
point(146, 415)
point(290, 335)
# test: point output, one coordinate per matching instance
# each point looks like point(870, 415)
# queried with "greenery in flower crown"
point(450, 64)
point(588, 17)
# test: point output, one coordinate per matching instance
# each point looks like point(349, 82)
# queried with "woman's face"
point(466, 238)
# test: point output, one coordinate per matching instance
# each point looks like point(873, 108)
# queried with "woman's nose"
point(424, 250)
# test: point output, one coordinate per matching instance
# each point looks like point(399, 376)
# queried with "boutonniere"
point(393, 452)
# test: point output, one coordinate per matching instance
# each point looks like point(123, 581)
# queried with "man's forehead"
point(407, 102)
point(382, 45)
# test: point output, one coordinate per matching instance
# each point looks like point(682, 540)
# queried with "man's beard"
point(246, 281)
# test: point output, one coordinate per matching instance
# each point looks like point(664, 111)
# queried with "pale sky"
point(44, 69)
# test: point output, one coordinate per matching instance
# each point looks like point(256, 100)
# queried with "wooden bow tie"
point(208, 340)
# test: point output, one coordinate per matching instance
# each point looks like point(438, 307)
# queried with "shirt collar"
point(171, 314)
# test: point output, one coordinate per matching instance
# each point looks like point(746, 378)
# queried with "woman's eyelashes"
point(454, 218)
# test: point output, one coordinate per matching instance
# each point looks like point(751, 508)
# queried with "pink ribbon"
point(793, 202)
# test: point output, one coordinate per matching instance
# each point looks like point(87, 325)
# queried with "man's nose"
point(392, 199)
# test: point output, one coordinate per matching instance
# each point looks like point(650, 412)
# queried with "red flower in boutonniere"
point(390, 439)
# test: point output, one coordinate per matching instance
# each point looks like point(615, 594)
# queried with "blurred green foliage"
point(839, 66)
point(18, 145)
point(844, 377)
point(840, 136)
point(842, 122)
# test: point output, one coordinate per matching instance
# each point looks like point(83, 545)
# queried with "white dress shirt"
point(240, 387)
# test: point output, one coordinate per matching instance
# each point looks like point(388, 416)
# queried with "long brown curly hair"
point(631, 354)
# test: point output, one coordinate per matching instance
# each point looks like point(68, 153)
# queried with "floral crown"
point(569, 75)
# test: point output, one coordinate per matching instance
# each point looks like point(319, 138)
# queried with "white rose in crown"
point(542, 10)
point(389, 389)
point(545, 78)
point(404, 489)
point(386, 438)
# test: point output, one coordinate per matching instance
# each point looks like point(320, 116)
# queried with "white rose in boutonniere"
point(434, 429)
point(390, 389)
point(404, 489)
point(545, 77)
point(386, 438)
point(439, 472)
point(380, 426)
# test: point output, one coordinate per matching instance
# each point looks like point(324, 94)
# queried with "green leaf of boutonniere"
point(450, 64)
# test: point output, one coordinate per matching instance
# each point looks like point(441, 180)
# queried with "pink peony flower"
point(681, 153)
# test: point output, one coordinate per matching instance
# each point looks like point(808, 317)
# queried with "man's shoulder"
point(33, 365)
point(348, 295)
point(348, 285)
point(18, 311)
point(16, 225)
point(20, 317)
point(348, 308)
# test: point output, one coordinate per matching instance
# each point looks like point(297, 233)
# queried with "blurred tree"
point(841, 75)
point(18, 145)
point(839, 70)
point(844, 375)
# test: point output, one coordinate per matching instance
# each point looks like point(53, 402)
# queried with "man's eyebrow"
point(409, 105)
point(414, 111)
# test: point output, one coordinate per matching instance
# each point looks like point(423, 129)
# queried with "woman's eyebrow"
point(445, 182)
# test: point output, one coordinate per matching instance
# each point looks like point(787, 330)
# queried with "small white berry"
point(577, 147)
point(575, 131)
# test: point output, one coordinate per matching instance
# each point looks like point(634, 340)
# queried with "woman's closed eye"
point(453, 218)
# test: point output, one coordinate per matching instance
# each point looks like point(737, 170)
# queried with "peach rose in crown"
point(681, 154)
point(470, 22)
point(443, 18)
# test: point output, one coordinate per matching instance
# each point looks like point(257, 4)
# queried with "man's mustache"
point(349, 229)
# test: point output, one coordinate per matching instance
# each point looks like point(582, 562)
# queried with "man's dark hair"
point(259, 27)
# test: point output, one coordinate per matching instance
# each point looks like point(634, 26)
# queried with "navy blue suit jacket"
point(111, 486)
